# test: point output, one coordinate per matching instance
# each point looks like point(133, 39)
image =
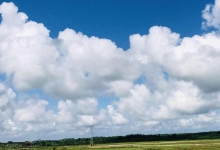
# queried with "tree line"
point(116, 139)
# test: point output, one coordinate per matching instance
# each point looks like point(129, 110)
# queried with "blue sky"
point(123, 66)
point(116, 20)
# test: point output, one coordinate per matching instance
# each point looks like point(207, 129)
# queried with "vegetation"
point(136, 141)
point(161, 145)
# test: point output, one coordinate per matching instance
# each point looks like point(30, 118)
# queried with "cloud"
point(6, 95)
point(20, 117)
point(151, 108)
point(6, 102)
point(81, 112)
point(120, 88)
point(135, 104)
point(186, 99)
point(191, 58)
point(10, 15)
point(86, 63)
point(26, 53)
point(151, 123)
point(71, 66)
point(162, 82)
point(211, 15)
point(31, 111)
point(117, 118)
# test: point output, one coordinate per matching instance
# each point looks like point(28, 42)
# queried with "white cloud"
point(26, 51)
point(186, 122)
point(72, 66)
point(20, 117)
point(80, 112)
point(160, 81)
point(10, 16)
point(211, 15)
point(186, 99)
point(31, 111)
point(136, 103)
point(191, 58)
point(86, 65)
point(117, 118)
point(120, 88)
point(151, 123)
point(6, 95)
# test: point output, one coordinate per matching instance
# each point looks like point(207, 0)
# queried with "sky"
point(124, 67)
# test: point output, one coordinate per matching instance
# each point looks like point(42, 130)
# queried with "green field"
point(171, 145)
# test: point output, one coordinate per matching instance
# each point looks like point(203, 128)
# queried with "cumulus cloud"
point(161, 81)
point(186, 99)
point(211, 15)
point(117, 118)
point(82, 112)
point(26, 54)
point(6, 95)
point(31, 111)
point(6, 102)
point(151, 108)
point(86, 65)
point(10, 15)
point(120, 88)
point(191, 58)
point(20, 117)
point(72, 66)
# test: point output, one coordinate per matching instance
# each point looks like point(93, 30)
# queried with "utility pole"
point(91, 138)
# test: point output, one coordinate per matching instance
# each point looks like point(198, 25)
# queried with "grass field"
point(171, 145)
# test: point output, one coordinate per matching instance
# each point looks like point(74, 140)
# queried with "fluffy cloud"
point(20, 117)
point(86, 65)
point(120, 88)
point(6, 102)
point(187, 99)
point(211, 15)
point(150, 108)
point(162, 82)
point(117, 118)
point(6, 95)
point(26, 53)
point(31, 111)
point(190, 59)
point(72, 66)
point(82, 112)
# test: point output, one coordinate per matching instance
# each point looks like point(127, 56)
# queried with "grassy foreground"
point(171, 145)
